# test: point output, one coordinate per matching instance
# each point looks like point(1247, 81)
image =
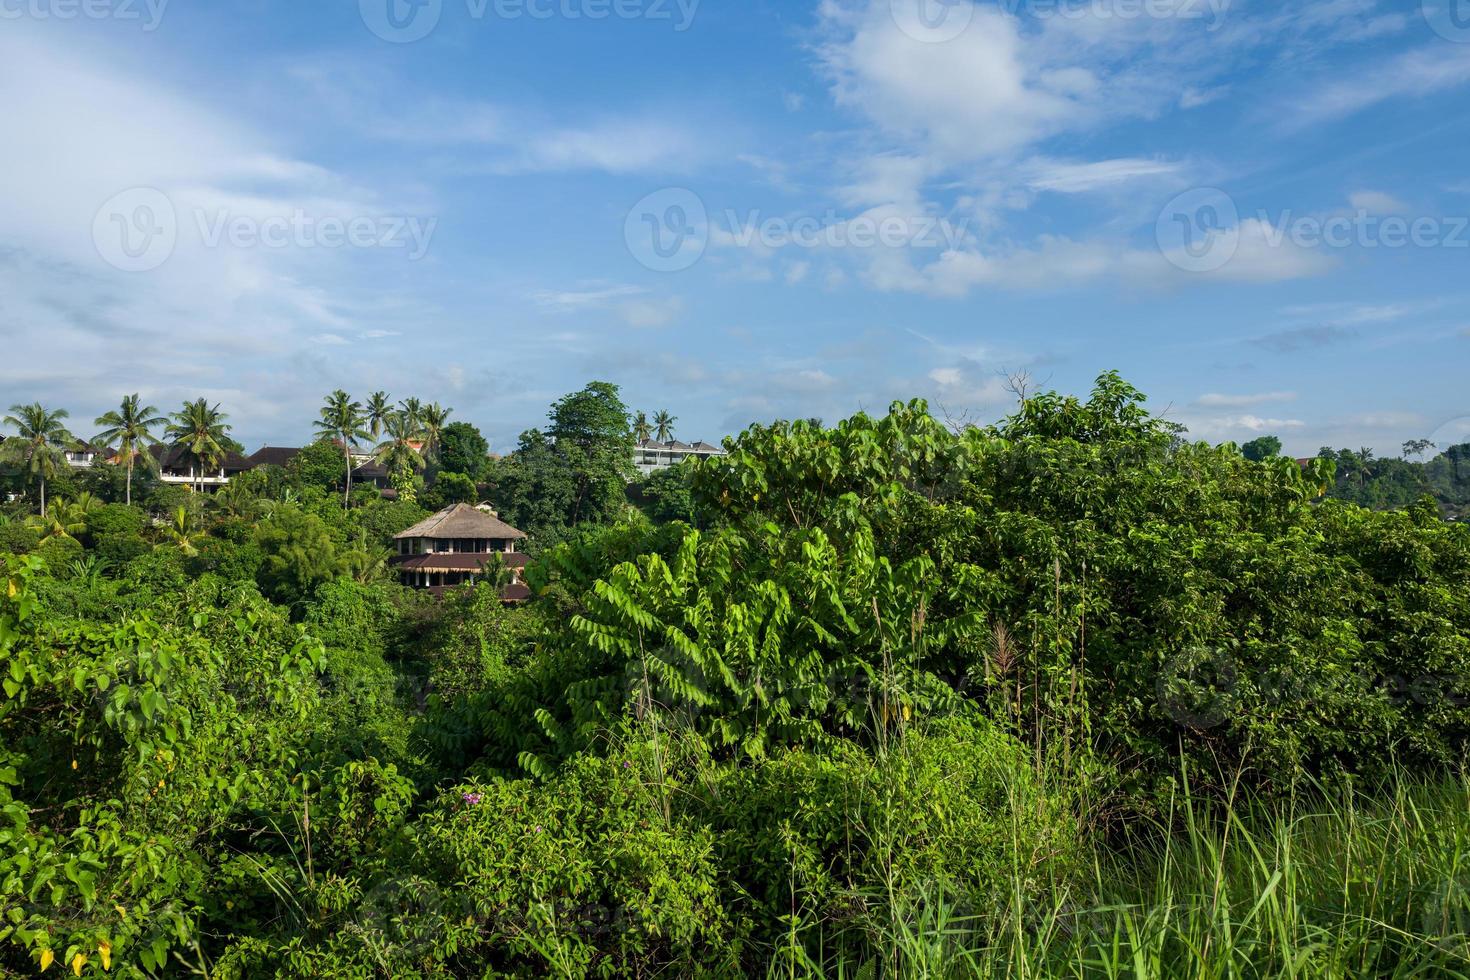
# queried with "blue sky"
point(741, 211)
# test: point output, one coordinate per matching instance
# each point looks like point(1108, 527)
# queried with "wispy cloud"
point(1079, 178)
point(1413, 74)
point(1304, 338)
point(1216, 400)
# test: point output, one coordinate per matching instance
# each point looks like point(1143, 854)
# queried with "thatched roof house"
point(462, 522)
point(460, 545)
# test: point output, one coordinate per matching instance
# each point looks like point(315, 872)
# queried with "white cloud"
point(1376, 202)
point(1193, 98)
point(946, 377)
point(632, 304)
point(577, 300)
point(1357, 314)
point(1412, 74)
point(647, 313)
point(1240, 427)
point(1215, 400)
point(981, 94)
point(1056, 262)
point(1078, 178)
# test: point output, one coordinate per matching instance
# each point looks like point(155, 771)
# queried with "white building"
point(650, 456)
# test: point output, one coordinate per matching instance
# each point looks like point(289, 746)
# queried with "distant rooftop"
point(462, 521)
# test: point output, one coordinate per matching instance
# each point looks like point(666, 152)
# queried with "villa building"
point(459, 546)
point(175, 466)
point(85, 454)
point(650, 455)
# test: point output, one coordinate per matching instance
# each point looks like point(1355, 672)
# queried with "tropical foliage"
point(1065, 696)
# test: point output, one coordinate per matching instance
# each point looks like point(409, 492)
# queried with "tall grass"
point(1343, 883)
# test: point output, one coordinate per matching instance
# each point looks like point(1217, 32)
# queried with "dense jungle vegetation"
point(1066, 696)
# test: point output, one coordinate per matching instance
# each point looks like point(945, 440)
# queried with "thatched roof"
point(462, 521)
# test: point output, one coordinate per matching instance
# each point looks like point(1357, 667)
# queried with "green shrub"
point(120, 549)
point(953, 810)
point(362, 807)
point(115, 519)
point(58, 552)
point(18, 538)
point(587, 874)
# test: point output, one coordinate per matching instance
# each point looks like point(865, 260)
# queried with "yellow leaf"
point(47, 958)
point(105, 949)
point(73, 764)
point(77, 962)
point(121, 911)
point(13, 589)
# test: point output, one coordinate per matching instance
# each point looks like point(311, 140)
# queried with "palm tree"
point(366, 562)
point(41, 443)
point(129, 427)
point(379, 408)
point(664, 426)
point(342, 419)
point(412, 411)
point(398, 455)
point(642, 431)
point(65, 519)
point(432, 420)
point(237, 499)
point(184, 533)
point(200, 431)
point(1365, 466)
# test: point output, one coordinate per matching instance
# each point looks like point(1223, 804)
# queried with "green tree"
point(432, 420)
point(129, 430)
point(1417, 447)
point(66, 519)
point(576, 472)
point(399, 456)
point(663, 424)
point(667, 495)
point(317, 465)
point(1261, 449)
point(184, 533)
point(379, 408)
point(342, 419)
point(462, 449)
point(299, 554)
point(200, 430)
point(411, 410)
point(454, 488)
point(642, 430)
point(39, 448)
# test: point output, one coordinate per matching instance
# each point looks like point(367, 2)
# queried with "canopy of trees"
point(885, 669)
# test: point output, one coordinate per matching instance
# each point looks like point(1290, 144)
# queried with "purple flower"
point(627, 765)
point(473, 799)
point(538, 828)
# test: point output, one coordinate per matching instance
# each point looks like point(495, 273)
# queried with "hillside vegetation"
point(1062, 697)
